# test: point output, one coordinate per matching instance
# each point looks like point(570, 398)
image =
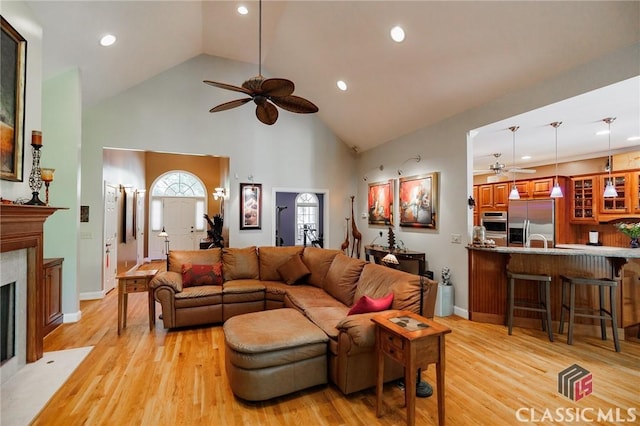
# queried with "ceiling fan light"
point(514, 194)
point(556, 191)
point(610, 190)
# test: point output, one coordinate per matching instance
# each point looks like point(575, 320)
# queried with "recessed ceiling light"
point(397, 34)
point(341, 85)
point(242, 10)
point(107, 40)
point(525, 157)
point(633, 138)
point(602, 132)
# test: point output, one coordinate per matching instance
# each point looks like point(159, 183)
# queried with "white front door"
point(140, 198)
point(110, 252)
point(179, 216)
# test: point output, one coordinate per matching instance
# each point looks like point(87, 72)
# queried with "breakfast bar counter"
point(488, 281)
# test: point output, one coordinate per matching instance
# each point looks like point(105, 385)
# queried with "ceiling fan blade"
point(277, 87)
point(266, 112)
point(295, 104)
point(228, 87)
point(228, 105)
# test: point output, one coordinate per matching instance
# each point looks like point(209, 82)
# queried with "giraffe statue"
point(345, 245)
point(357, 236)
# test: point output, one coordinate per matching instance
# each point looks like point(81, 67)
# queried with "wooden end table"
point(413, 341)
point(135, 282)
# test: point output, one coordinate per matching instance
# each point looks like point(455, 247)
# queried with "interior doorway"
point(300, 217)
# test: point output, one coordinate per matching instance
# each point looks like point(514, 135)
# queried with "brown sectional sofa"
point(255, 279)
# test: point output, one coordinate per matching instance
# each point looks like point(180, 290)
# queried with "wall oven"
point(495, 223)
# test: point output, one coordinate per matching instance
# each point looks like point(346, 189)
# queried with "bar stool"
point(543, 304)
point(600, 313)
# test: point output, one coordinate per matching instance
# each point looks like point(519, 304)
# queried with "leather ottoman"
point(273, 353)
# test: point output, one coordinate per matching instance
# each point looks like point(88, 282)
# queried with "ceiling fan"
point(499, 168)
point(265, 92)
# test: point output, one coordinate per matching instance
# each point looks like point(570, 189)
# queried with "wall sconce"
point(380, 167)
point(47, 178)
point(417, 158)
point(163, 234)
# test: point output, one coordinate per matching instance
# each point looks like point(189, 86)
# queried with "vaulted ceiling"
point(456, 56)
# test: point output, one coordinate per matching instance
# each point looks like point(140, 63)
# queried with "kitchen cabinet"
point(485, 196)
point(476, 210)
point(52, 294)
point(494, 196)
point(583, 207)
point(635, 192)
point(523, 188)
point(619, 205)
point(541, 188)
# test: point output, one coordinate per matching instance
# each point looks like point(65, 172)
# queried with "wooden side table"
point(135, 282)
point(413, 341)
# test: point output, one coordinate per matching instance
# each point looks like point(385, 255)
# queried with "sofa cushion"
point(194, 275)
point(240, 263)
point(327, 318)
point(177, 258)
point(342, 277)
point(271, 258)
point(303, 297)
point(318, 261)
point(377, 280)
point(367, 304)
point(293, 270)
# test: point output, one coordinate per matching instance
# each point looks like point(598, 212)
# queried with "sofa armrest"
point(360, 328)
point(167, 278)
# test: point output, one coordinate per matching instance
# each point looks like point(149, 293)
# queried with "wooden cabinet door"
point(635, 192)
point(52, 294)
point(485, 194)
point(501, 195)
point(541, 188)
point(476, 209)
point(620, 204)
point(583, 195)
point(523, 189)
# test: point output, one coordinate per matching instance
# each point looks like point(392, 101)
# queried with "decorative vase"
point(634, 243)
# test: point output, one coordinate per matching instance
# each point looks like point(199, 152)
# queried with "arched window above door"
point(178, 184)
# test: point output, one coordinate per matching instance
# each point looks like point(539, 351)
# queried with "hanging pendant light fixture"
point(514, 194)
point(556, 192)
point(610, 189)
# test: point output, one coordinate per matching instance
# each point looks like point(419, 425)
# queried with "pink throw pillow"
point(366, 304)
point(194, 275)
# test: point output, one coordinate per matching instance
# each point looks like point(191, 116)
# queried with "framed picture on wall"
point(250, 206)
point(380, 203)
point(13, 48)
point(418, 200)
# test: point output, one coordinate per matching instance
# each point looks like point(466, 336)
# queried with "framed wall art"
point(418, 200)
point(250, 206)
point(380, 203)
point(13, 50)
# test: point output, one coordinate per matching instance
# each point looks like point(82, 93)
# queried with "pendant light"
point(610, 189)
point(556, 192)
point(514, 194)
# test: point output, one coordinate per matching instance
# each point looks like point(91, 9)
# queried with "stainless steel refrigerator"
point(531, 220)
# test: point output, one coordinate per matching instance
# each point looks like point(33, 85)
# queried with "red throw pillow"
point(366, 304)
point(193, 275)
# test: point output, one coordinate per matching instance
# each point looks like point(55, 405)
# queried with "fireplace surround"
point(21, 227)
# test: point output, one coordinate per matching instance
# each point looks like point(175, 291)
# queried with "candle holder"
point(47, 178)
point(35, 178)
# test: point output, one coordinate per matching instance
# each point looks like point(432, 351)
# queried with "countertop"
point(568, 250)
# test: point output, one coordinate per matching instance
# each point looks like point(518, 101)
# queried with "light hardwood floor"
point(177, 378)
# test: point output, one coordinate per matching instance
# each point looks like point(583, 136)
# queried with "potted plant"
point(631, 230)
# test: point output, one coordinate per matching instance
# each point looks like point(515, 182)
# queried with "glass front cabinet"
point(583, 208)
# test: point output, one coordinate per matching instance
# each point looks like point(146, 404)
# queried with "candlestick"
point(47, 177)
point(36, 138)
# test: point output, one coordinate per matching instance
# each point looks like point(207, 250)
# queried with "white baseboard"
point(92, 295)
point(461, 312)
point(72, 317)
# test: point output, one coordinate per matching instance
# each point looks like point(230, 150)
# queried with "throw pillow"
point(194, 275)
point(293, 270)
point(366, 304)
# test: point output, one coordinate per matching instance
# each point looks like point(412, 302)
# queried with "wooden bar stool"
point(543, 304)
point(600, 313)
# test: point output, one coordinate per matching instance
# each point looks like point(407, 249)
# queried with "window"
point(306, 218)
